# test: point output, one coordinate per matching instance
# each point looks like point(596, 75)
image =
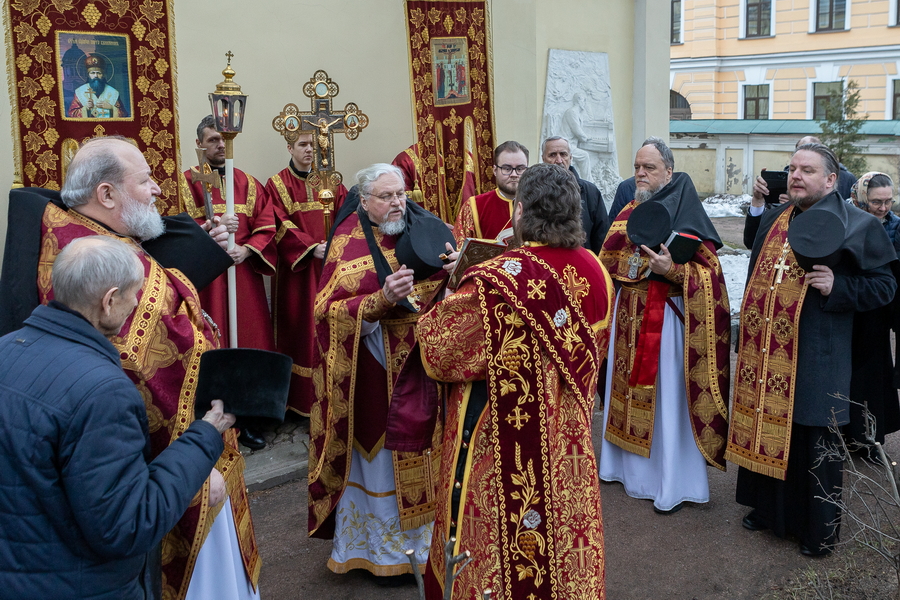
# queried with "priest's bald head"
point(109, 181)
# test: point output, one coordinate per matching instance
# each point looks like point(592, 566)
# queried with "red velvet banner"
point(83, 69)
point(450, 72)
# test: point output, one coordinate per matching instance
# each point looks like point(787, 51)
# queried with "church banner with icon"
point(450, 72)
point(83, 69)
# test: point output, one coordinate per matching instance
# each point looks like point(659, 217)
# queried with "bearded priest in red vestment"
point(212, 552)
point(485, 216)
point(254, 250)
point(301, 246)
point(373, 501)
point(522, 340)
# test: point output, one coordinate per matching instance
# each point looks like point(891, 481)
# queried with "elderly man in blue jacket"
point(82, 509)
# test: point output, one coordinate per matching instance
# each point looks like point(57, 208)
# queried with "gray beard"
point(142, 222)
point(393, 227)
point(644, 195)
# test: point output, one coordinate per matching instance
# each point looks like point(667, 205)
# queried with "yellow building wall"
point(769, 160)
point(734, 172)
point(705, 35)
point(701, 164)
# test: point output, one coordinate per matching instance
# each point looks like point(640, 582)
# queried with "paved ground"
point(699, 553)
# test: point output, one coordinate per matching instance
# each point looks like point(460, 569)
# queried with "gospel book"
point(472, 252)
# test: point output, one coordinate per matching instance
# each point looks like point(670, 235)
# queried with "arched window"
point(679, 107)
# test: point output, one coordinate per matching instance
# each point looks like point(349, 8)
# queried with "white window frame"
point(814, 17)
point(893, 17)
point(681, 28)
point(756, 76)
point(889, 99)
point(742, 33)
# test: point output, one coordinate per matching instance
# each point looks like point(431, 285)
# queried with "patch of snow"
point(726, 205)
point(735, 266)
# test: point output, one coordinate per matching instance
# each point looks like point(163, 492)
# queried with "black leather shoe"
point(671, 511)
point(394, 581)
point(806, 551)
point(252, 439)
point(753, 522)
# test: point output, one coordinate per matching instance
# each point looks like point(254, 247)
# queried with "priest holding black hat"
point(793, 378)
point(665, 422)
point(377, 280)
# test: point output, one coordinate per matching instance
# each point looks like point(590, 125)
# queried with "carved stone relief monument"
point(578, 107)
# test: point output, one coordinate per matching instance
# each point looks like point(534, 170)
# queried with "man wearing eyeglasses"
point(489, 215)
point(366, 312)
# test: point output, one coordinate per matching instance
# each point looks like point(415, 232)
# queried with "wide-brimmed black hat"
point(816, 237)
point(252, 383)
point(186, 247)
point(649, 224)
point(421, 245)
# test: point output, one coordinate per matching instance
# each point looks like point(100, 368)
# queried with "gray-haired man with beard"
point(109, 191)
point(664, 423)
point(374, 503)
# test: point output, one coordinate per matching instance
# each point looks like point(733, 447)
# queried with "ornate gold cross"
point(322, 123)
point(581, 550)
point(575, 457)
point(209, 178)
point(516, 418)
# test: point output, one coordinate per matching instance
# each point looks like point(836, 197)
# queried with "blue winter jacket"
point(80, 507)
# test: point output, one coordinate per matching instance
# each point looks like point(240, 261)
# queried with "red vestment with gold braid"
point(707, 327)
point(161, 344)
point(533, 323)
point(256, 231)
point(301, 226)
point(760, 435)
point(483, 216)
point(349, 293)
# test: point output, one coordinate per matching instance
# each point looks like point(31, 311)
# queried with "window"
point(831, 15)
point(679, 107)
point(897, 99)
point(676, 22)
point(756, 101)
point(759, 18)
point(822, 96)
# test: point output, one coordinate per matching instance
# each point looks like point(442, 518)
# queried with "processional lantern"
point(322, 123)
point(228, 106)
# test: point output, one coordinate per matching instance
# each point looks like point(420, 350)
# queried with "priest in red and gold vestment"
point(522, 340)
point(485, 216)
point(161, 345)
point(301, 248)
point(374, 502)
point(667, 380)
point(254, 249)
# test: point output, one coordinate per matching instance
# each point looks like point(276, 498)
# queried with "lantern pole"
point(228, 106)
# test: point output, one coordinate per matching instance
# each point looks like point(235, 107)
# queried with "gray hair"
point(554, 138)
point(664, 151)
point(366, 177)
point(206, 122)
point(85, 174)
point(90, 266)
point(829, 160)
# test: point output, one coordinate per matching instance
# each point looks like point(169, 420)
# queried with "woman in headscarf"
point(874, 380)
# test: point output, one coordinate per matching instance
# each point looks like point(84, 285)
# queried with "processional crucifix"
point(322, 122)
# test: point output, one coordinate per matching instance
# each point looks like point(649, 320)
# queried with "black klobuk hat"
point(649, 224)
point(186, 247)
point(252, 383)
point(816, 237)
point(422, 244)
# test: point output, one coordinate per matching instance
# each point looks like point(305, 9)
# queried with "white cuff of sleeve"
point(755, 211)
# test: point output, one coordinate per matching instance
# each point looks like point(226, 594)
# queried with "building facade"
point(778, 61)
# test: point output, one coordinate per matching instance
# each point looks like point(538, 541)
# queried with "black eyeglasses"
point(507, 170)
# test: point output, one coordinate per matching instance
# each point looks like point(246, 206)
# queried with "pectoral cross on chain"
point(634, 263)
point(781, 266)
